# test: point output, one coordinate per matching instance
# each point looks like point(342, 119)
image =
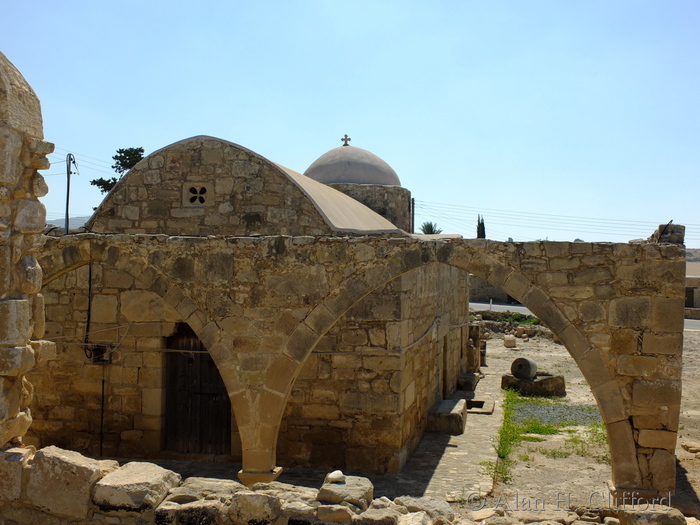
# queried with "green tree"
point(480, 228)
point(124, 160)
point(430, 228)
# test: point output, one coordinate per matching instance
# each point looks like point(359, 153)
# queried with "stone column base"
point(251, 478)
point(622, 497)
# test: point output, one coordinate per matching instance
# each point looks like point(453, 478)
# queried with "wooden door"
point(197, 406)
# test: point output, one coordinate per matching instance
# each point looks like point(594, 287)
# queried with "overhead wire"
point(462, 219)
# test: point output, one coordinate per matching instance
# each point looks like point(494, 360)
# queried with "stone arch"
point(474, 257)
point(67, 255)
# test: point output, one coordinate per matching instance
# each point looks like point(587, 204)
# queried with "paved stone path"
point(442, 466)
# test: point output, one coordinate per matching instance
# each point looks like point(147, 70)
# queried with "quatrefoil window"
point(197, 195)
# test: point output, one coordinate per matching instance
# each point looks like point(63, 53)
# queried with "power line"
point(462, 218)
point(86, 156)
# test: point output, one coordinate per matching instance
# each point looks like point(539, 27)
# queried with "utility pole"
point(70, 159)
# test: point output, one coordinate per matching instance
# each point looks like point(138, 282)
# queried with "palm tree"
point(430, 228)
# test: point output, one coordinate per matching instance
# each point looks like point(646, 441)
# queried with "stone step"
point(468, 381)
point(448, 416)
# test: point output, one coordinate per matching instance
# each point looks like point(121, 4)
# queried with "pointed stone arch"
point(505, 266)
point(617, 308)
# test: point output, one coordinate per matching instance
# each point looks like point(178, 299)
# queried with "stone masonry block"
point(667, 314)
point(657, 439)
point(61, 481)
point(625, 467)
point(662, 343)
point(16, 360)
point(550, 314)
point(592, 276)
point(637, 365)
point(535, 298)
point(629, 312)
point(30, 217)
point(319, 319)
point(610, 402)
point(280, 373)
point(104, 309)
point(14, 322)
point(300, 343)
point(575, 342)
point(516, 286)
point(135, 487)
point(625, 341)
point(663, 468)
point(12, 462)
point(647, 393)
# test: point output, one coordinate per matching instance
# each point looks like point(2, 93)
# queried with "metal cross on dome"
point(345, 140)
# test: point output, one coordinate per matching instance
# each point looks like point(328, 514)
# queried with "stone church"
point(133, 378)
point(223, 306)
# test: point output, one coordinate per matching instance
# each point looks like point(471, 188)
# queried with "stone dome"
point(350, 165)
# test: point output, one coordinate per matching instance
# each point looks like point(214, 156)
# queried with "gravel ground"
point(544, 471)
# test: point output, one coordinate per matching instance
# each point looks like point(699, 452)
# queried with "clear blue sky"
point(551, 119)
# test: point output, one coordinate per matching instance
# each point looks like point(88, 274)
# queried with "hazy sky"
point(551, 119)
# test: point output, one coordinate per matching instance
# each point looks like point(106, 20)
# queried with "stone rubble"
point(61, 487)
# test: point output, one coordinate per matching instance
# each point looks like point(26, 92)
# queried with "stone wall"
point(362, 388)
point(618, 309)
point(207, 186)
point(22, 219)
point(391, 202)
point(481, 291)
point(362, 399)
point(693, 283)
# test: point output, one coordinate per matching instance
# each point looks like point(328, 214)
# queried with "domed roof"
point(351, 165)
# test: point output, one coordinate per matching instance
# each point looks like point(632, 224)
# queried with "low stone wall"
point(53, 486)
point(481, 291)
point(692, 313)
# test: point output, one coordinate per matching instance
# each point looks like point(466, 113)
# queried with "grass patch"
point(532, 439)
point(521, 423)
point(501, 470)
point(517, 318)
point(554, 452)
point(532, 426)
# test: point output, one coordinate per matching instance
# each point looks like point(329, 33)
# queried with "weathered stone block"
point(625, 468)
point(356, 490)
point(247, 506)
point(629, 312)
point(448, 416)
point(334, 513)
point(637, 365)
point(656, 393)
point(12, 462)
point(667, 314)
point(386, 516)
point(14, 322)
point(104, 309)
point(657, 439)
point(651, 517)
point(16, 360)
point(662, 343)
point(15, 426)
point(31, 216)
point(136, 486)
point(61, 481)
point(663, 468)
point(435, 508)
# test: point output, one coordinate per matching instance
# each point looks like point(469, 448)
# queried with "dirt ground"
point(571, 469)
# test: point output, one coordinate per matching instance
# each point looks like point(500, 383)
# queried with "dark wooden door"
point(197, 407)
